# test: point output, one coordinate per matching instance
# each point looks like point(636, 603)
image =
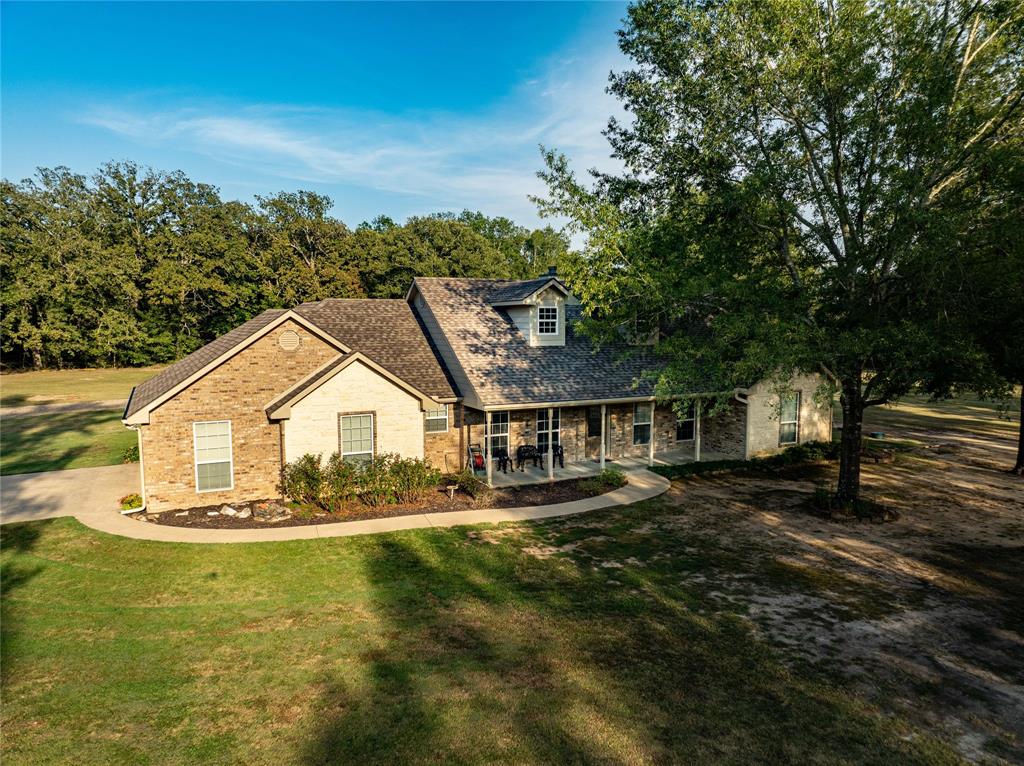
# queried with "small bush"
point(130, 454)
point(469, 483)
point(414, 479)
point(303, 481)
point(377, 485)
point(612, 478)
point(341, 481)
point(130, 502)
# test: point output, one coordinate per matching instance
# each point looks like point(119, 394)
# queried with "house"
point(458, 362)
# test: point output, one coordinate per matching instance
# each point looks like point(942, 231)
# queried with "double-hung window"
point(437, 420)
point(685, 425)
point(548, 432)
point(212, 446)
point(642, 423)
point(789, 419)
point(357, 437)
point(593, 422)
point(547, 320)
point(499, 431)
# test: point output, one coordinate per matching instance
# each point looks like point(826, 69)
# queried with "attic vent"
point(289, 340)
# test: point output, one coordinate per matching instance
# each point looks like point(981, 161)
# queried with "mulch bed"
point(505, 497)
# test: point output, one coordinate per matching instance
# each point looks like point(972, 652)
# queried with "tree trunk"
point(1018, 466)
point(849, 446)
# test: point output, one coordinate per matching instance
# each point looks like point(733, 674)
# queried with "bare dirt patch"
point(925, 614)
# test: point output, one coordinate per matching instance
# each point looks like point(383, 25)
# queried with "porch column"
point(603, 436)
point(551, 442)
point(650, 447)
point(487, 447)
point(696, 431)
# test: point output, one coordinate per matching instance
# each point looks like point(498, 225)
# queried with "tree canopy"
point(135, 266)
point(801, 191)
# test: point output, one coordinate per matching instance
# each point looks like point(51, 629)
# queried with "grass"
point(984, 418)
point(65, 386)
point(498, 645)
point(63, 440)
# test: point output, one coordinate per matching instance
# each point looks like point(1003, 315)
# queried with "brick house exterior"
point(379, 376)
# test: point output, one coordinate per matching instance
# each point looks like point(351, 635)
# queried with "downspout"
point(142, 476)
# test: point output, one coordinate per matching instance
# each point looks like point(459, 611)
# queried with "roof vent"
point(288, 340)
point(552, 271)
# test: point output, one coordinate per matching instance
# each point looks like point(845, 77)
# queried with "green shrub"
point(340, 483)
point(612, 478)
point(377, 485)
point(414, 479)
point(303, 481)
point(131, 502)
point(130, 454)
point(469, 483)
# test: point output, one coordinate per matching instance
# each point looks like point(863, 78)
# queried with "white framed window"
point(437, 420)
point(548, 433)
point(211, 444)
point(789, 419)
point(685, 425)
point(499, 431)
point(642, 423)
point(547, 320)
point(357, 437)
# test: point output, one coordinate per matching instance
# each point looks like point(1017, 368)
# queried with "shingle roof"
point(386, 331)
point(509, 292)
point(389, 333)
point(504, 369)
point(164, 381)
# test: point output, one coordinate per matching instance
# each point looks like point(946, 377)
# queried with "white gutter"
point(142, 476)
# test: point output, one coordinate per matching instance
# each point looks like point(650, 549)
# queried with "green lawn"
point(63, 440)
point(60, 386)
point(508, 645)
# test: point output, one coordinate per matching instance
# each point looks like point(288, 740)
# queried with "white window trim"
point(373, 434)
point(556, 414)
point(649, 422)
point(195, 457)
point(540, 322)
point(427, 418)
point(796, 431)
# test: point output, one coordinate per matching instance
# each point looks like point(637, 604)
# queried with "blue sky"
point(390, 108)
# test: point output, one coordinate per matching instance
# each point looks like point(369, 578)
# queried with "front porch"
point(579, 469)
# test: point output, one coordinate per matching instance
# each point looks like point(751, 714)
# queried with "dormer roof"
point(518, 293)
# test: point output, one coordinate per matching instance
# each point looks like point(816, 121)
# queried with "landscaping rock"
point(227, 510)
point(183, 513)
point(270, 511)
point(213, 513)
point(245, 513)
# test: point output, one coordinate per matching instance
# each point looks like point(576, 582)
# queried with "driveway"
point(76, 492)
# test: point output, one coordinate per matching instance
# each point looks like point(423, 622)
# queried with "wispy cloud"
point(439, 161)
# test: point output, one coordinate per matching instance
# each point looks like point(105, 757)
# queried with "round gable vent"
point(289, 340)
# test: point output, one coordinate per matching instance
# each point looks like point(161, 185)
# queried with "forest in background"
point(133, 266)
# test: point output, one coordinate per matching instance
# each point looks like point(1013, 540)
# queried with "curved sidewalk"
point(642, 485)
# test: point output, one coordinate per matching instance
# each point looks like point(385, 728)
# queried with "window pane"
point(547, 320)
point(356, 434)
point(642, 434)
point(787, 433)
point(684, 430)
point(642, 413)
point(790, 407)
point(213, 476)
point(593, 422)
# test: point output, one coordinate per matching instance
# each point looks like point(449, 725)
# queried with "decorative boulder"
point(227, 510)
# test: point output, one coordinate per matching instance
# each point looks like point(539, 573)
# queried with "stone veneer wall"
point(237, 390)
point(726, 432)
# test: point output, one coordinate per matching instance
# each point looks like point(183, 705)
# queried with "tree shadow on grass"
point(17, 541)
point(489, 653)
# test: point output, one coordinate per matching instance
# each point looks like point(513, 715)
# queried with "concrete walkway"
point(30, 410)
point(79, 492)
point(642, 485)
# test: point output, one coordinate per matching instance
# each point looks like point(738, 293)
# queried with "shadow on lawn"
point(487, 653)
point(16, 540)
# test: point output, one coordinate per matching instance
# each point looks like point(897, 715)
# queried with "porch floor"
point(591, 467)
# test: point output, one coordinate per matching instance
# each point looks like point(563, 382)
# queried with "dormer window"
point(547, 320)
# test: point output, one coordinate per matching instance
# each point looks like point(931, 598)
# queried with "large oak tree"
point(792, 193)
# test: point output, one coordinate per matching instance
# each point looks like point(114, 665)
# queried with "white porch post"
point(551, 443)
point(603, 437)
point(487, 448)
point(650, 447)
point(696, 431)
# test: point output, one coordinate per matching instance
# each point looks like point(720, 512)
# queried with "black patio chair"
point(526, 452)
point(501, 455)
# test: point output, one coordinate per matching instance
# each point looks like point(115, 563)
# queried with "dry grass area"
point(925, 616)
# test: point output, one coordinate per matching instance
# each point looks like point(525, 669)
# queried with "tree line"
point(133, 266)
